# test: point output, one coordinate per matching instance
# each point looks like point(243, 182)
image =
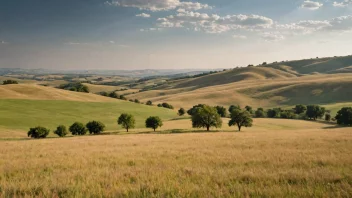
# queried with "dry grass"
point(310, 160)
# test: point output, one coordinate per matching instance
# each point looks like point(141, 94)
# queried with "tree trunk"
point(154, 129)
point(207, 128)
point(127, 129)
point(239, 127)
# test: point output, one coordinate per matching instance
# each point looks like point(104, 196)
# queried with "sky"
point(170, 34)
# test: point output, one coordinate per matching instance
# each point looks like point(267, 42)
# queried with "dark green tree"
point(288, 114)
point(167, 105)
point(241, 119)
point(122, 97)
point(153, 122)
point(206, 117)
point(233, 107)
point(61, 131)
point(328, 117)
point(181, 112)
point(193, 110)
point(150, 103)
point(113, 95)
point(344, 116)
point(260, 113)
point(222, 111)
point(9, 82)
point(78, 128)
point(137, 101)
point(274, 113)
point(300, 109)
point(315, 111)
point(249, 109)
point(127, 121)
point(95, 127)
point(38, 132)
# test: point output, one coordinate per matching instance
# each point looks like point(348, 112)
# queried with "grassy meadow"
point(291, 159)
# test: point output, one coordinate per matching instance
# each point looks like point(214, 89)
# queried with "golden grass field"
point(275, 158)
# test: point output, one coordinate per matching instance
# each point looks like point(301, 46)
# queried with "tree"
point(137, 101)
point(327, 117)
point(274, 113)
point(287, 114)
point(259, 113)
point(61, 131)
point(315, 111)
point(300, 109)
point(95, 127)
point(233, 107)
point(181, 112)
point(166, 105)
point(193, 110)
point(113, 95)
point(222, 111)
point(344, 116)
point(122, 97)
point(150, 103)
point(153, 122)
point(38, 132)
point(9, 82)
point(78, 128)
point(127, 121)
point(206, 117)
point(249, 109)
point(240, 118)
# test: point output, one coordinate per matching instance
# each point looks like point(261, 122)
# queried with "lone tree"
point(95, 127)
point(9, 82)
point(153, 122)
point(61, 131)
point(38, 132)
point(300, 109)
point(181, 112)
point(127, 121)
point(259, 113)
point(344, 116)
point(315, 111)
point(222, 111)
point(206, 117)
point(240, 118)
point(233, 107)
point(78, 128)
point(150, 103)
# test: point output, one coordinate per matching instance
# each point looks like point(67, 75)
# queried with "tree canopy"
point(181, 112)
point(300, 109)
point(153, 122)
point(78, 128)
point(9, 82)
point(222, 111)
point(315, 111)
point(38, 132)
point(240, 118)
point(233, 107)
point(206, 117)
point(61, 131)
point(127, 121)
point(95, 127)
point(344, 116)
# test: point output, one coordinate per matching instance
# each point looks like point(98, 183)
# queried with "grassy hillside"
point(291, 160)
point(23, 114)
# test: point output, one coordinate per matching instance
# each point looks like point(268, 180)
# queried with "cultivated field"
point(286, 159)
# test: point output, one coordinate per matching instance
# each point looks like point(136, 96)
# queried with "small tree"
point(240, 118)
point(137, 101)
point(274, 113)
point(95, 127)
point(300, 109)
point(9, 82)
point(122, 97)
point(150, 103)
point(344, 116)
point(259, 113)
point(233, 107)
point(206, 117)
point(315, 112)
point(181, 112)
point(153, 122)
point(78, 128)
point(113, 95)
point(249, 109)
point(327, 117)
point(222, 111)
point(127, 121)
point(288, 114)
point(38, 132)
point(61, 131)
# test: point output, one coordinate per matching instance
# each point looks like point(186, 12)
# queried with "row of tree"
point(9, 82)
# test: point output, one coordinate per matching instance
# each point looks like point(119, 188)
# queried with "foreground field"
point(301, 162)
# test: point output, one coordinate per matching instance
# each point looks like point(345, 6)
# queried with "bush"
point(78, 128)
point(259, 113)
point(327, 117)
point(274, 113)
point(9, 82)
point(78, 87)
point(38, 132)
point(150, 103)
point(113, 95)
point(136, 101)
point(166, 105)
point(181, 112)
point(288, 114)
point(249, 109)
point(122, 97)
point(153, 122)
point(95, 127)
point(61, 131)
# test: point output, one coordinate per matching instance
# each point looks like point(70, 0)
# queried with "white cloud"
point(272, 36)
point(236, 36)
point(311, 5)
point(215, 23)
point(342, 3)
point(158, 5)
point(143, 15)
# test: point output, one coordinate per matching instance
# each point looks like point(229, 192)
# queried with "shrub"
point(249, 109)
point(122, 97)
point(95, 127)
point(259, 113)
point(127, 121)
point(113, 95)
point(150, 103)
point(166, 105)
point(287, 114)
point(61, 131)
point(79, 87)
point(9, 82)
point(206, 117)
point(153, 122)
point(137, 101)
point(327, 117)
point(38, 132)
point(181, 112)
point(274, 113)
point(78, 128)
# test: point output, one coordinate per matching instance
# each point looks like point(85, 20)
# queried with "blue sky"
point(164, 34)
